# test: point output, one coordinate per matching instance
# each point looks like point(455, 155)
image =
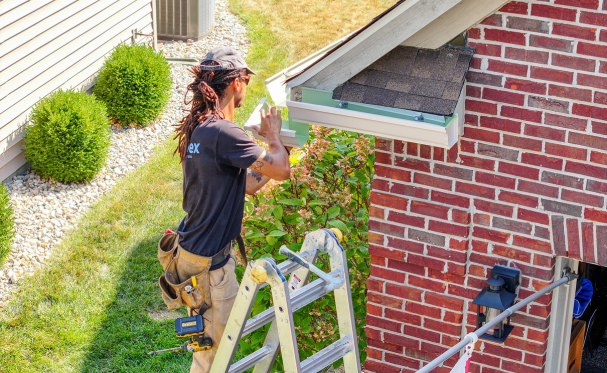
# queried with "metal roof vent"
point(185, 19)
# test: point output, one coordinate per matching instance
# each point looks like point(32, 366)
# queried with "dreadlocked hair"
point(208, 88)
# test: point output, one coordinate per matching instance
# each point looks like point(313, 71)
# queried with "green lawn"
point(89, 309)
point(96, 306)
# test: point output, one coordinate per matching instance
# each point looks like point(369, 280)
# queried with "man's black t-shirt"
point(214, 184)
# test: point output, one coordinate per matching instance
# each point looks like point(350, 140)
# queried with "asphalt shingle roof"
point(411, 78)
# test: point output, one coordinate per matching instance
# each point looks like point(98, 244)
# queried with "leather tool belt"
point(193, 288)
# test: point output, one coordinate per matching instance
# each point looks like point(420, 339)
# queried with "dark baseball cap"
point(224, 58)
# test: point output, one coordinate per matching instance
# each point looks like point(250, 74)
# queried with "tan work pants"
point(224, 288)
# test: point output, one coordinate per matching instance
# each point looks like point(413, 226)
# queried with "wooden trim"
point(292, 134)
point(460, 18)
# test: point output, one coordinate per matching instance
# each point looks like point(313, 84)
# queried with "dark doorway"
point(595, 347)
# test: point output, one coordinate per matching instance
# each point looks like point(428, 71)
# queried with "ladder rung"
point(251, 360)
point(327, 355)
point(299, 298)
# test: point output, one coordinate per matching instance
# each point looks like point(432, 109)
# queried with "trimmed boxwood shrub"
point(134, 82)
point(7, 223)
point(68, 138)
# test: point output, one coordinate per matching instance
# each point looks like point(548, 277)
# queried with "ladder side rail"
point(344, 307)
point(284, 322)
point(310, 245)
point(238, 316)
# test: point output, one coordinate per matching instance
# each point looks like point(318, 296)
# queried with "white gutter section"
point(287, 136)
point(376, 125)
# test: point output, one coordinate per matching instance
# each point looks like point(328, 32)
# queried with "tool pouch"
point(167, 249)
point(177, 276)
point(170, 297)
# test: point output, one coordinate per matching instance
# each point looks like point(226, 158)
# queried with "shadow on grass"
point(137, 322)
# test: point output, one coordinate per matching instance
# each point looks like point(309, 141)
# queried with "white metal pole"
point(453, 350)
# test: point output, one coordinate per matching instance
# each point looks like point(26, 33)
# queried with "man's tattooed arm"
point(257, 166)
point(268, 158)
point(255, 180)
point(255, 175)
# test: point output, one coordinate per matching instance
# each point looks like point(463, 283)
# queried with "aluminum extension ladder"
point(288, 297)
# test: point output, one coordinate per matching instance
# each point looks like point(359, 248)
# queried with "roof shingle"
point(411, 78)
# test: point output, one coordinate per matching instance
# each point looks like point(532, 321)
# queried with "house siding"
point(47, 45)
point(525, 183)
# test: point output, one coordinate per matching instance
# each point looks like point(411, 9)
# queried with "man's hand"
point(274, 163)
point(271, 124)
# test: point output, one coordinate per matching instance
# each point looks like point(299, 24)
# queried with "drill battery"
point(189, 326)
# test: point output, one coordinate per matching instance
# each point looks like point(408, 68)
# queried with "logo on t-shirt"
point(193, 148)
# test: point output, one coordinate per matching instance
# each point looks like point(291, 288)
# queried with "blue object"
point(189, 326)
point(582, 298)
point(335, 238)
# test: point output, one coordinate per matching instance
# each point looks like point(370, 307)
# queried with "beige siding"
point(46, 45)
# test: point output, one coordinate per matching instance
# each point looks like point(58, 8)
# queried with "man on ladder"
point(220, 164)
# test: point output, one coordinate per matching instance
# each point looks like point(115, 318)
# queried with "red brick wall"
point(526, 182)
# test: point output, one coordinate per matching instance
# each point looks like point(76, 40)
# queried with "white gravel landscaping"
point(46, 210)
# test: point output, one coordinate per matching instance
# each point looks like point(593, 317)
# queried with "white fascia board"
point(355, 41)
point(460, 18)
point(376, 125)
point(276, 84)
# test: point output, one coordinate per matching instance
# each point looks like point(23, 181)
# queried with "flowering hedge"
point(329, 187)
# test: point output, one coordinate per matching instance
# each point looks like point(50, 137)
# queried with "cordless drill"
point(193, 327)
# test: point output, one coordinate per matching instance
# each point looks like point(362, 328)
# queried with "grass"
point(91, 307)
point(96, 305)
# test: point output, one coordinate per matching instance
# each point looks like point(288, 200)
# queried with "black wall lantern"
point(496, 298)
